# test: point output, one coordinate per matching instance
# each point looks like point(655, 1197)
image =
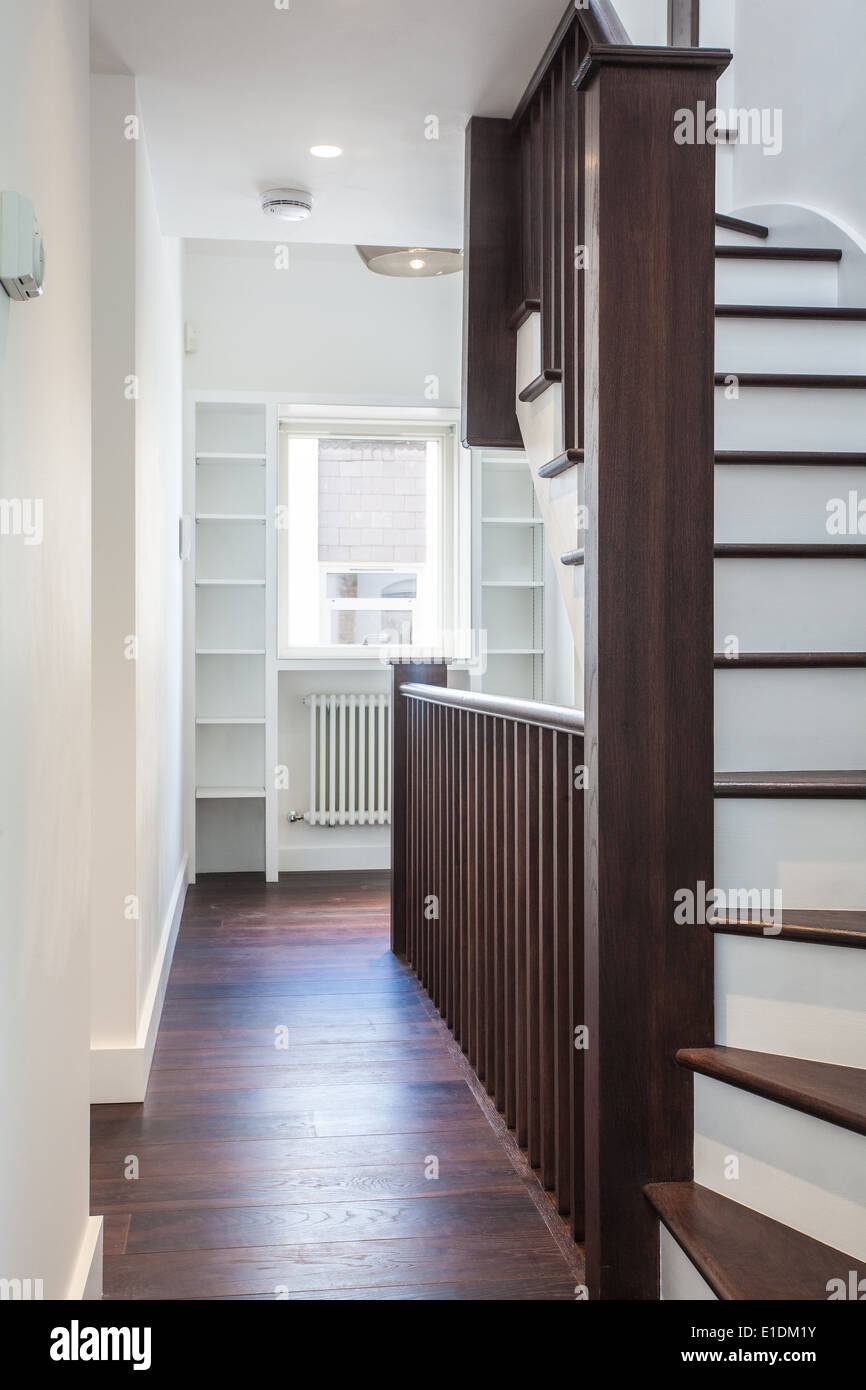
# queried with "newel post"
point(404, 673)
point(650, 204)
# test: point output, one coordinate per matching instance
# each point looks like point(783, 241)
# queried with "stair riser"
point(680, 1281)
point(765, 418)
point(812, 283)
point(788, 721)
point(529, 353)
point(791, 998)
point(772, 503)
point(794, 1168)
point(790, 345)
point(725, 237)
point(791, 605)
point(809, 849)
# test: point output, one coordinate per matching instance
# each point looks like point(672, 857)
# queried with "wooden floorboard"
point(300, 1093)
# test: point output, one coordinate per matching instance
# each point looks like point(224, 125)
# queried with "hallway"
point(298, 1164)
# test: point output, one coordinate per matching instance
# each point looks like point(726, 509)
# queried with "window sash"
point(443, 580)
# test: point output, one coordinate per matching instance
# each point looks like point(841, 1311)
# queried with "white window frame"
point(443, 633)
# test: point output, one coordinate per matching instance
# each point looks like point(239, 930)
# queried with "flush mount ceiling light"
point(288, 204)
point(410, 262)
point(326, 151)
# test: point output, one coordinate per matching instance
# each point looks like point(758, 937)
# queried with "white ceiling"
point(234, 92)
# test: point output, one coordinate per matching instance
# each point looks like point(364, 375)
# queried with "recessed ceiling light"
point(417, 263)
point(326, 151)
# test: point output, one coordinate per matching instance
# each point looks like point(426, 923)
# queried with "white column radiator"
point(350, 759)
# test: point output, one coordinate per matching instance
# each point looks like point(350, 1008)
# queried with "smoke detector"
point(288, 204)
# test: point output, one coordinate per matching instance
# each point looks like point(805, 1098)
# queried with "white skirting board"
point(86, 1281)
point(308, 859)
point(120, 1074)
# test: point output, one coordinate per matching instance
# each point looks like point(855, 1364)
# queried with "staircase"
point(777, 1208)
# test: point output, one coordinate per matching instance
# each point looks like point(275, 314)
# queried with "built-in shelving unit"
point(230, 651)
point(508, 541)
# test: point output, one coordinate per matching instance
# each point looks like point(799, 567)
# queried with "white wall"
point(807, 60)
point(159, 593)
point(326, 326)
point(645, 20)
point(45, 1231)
point(138, 850)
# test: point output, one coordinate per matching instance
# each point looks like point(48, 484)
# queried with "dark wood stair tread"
point(837, 786)
point(794, 381)
point(740, 224)
point(832, 1093)
point(783, 661)
point(524, 311)
point(742, 1254)
point(569, 459)
point(789, 311)
point(777, 253)
point(540, 384)
point(805, 459)
point(792, 551)
point(818, 926)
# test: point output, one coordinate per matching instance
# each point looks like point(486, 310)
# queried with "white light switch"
point(22, 255)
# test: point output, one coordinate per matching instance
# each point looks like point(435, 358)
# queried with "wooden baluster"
point(412, 810)
point(577, 984)
point(477, 891)
point(490, 850)
point(537, 1022)
point(459, 847)
point(433, 926)
point(565, 905)
point(463, 867)
point(521, 933)
point(568, 193)
point(424, 799)
point(536, 186)
point(452, 858)
point(441, 859)
point(510, 904)
point(469, 893)
point(446, 868)
point(547, 209)
point(556, 220)
point(503, 859)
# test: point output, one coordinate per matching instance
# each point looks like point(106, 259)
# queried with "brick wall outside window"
point(372, 501)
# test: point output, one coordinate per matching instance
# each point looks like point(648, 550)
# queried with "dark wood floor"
point(301, 1172)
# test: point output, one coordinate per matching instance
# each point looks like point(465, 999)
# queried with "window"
point(372, 554)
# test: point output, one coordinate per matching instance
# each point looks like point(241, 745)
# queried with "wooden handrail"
point(561, 718)
point(600, 23)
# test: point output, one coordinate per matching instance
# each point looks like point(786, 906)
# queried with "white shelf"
point(230, 583)
point(229, 719)
point(515, 651)
point(230, 651)
point(232, 516)
point(512, 584)
point(512, 521)
point(232, 458)
point(230, 793)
